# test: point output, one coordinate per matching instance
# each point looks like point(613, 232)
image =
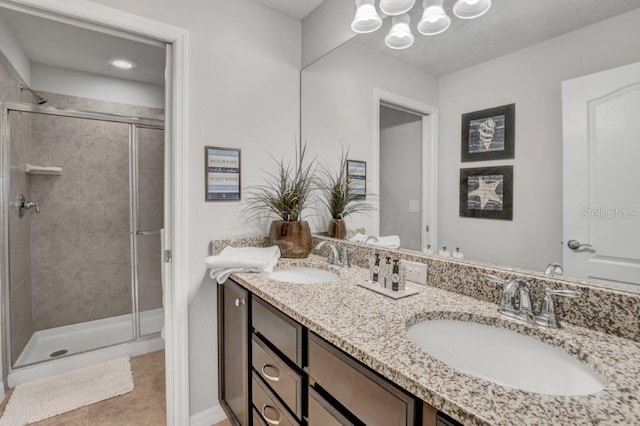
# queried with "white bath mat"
point(43, 398)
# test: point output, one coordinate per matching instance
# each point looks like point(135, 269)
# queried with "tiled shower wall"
point(80, 243)
point(19, 228)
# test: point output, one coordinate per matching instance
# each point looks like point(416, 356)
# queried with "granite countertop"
point(373, 329)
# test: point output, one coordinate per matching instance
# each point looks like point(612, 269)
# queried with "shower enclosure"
point(83, 219)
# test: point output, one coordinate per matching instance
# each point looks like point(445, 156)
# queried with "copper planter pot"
point(293, 238)
point(337, 229)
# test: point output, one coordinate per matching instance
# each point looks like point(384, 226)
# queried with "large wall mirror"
point(571, 68)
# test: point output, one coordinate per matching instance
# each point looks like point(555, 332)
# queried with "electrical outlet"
point(415, 272)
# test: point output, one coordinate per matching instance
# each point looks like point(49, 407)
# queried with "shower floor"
point(87, 336)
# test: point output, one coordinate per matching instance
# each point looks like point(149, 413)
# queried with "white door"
point(601, 132)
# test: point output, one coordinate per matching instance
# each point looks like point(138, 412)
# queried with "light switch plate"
point(414, 206)
point(415, 272)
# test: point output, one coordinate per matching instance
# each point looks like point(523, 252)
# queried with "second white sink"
point(505, 357)
point(303, 275)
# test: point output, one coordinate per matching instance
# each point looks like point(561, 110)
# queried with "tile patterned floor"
point(144, 406)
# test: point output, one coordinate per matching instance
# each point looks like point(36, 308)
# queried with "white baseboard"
point(1, 391)
point(209, 416)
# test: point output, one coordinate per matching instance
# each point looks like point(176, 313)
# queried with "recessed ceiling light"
point(122, 64)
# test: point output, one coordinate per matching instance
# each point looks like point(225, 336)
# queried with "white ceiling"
point(509, 25)
point(295, 8)
point(54, 43)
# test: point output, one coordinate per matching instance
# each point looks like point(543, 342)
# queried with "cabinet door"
point(233, 350)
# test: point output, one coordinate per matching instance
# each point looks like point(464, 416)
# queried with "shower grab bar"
point(149, 232)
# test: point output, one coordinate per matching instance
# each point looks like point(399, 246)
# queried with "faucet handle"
point(564, 293)
point(495, 279)
point(547, 316)
point(346, 257)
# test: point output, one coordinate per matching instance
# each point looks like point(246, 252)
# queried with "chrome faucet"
point(515, 302)
point(370, 237)
point(338, 255)
point(23, 205)
point(553, 269)
point(547, 316)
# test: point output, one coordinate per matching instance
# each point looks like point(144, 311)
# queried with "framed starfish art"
point(489, 134)
point(487, 192)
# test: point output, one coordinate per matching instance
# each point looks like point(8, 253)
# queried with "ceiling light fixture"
point(396, 7)
point(470, 9)
point(434, 18)
point(367, 19)
point(122, 64)
point(400, 36)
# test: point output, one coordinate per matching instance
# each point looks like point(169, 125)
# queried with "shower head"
point(39, 99)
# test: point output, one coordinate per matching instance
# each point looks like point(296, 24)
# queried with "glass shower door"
point(73, 252)
point(149, 142)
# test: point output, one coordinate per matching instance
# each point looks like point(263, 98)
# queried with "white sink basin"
point(303, 275)
point(505, 357)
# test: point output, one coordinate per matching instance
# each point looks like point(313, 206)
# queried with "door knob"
point(575, 245)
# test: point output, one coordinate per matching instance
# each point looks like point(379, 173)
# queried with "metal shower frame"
point(5, 192)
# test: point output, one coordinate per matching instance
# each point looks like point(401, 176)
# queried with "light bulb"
point(434, 19)
point(400, 36)
point(470, 9)
point(366, 19)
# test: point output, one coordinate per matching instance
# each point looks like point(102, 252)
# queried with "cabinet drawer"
point(281, 331)
point(268, 406)
point(322, 413)
point(257, 418)
point(281, 378)
point(370, 398)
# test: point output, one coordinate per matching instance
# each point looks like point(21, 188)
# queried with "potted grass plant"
point(338, 195)
point(286, 194)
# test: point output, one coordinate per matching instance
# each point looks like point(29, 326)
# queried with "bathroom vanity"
point(276, 371)
point(336, 353)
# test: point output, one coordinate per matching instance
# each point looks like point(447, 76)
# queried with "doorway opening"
point(406, 158)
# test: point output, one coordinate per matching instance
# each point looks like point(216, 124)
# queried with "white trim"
point(85, 14)
point(209, 416)
point(429, 160)
point(57, 366)
point(1, 391)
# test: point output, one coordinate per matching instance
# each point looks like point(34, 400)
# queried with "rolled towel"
point(390, 241)
point(242, 259)
point(359, 237)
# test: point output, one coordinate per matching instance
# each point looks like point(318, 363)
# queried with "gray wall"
point(19, 228)
point(337, 109)
point(531, 79)
point(400, 175)
point(244, 62)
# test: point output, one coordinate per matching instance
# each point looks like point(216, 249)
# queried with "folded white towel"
point(242, 259)
point(390, 241)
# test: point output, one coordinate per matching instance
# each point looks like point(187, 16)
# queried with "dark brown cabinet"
point(273, 371)
point(233, 351)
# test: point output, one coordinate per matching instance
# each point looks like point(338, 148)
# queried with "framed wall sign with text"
point(357, 172)
point(222, 174)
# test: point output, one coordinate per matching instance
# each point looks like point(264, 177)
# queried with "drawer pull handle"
point(272, 378)
point(267, 419)
point(240, 302)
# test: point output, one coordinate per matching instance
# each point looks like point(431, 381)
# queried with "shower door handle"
point(149, 232)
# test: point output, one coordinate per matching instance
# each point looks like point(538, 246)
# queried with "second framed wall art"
point(487, 192)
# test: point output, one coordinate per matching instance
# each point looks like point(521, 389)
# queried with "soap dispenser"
point(395, 276)
point(386, 273)
point(458, 254)
point(375, 268)
point(444, 252)
point(427, 249)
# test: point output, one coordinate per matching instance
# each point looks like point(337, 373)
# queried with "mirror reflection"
point(572, 73)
